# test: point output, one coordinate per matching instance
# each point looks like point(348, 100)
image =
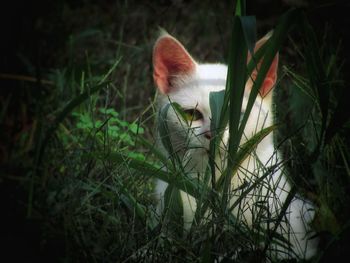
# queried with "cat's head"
point(180, 79)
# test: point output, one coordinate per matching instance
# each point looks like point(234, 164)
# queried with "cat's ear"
point(170, 61)
point(271, 76)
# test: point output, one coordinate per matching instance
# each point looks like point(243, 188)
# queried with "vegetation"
point(78, 159)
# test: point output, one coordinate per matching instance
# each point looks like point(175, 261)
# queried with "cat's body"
point(180, 79)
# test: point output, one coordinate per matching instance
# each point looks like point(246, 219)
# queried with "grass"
point(88, 161)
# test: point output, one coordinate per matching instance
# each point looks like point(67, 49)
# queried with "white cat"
point(179, 78)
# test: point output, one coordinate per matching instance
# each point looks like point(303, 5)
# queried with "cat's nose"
point(208, 135)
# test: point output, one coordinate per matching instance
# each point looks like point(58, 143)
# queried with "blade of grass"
point(279, 35)
point(190, 186)
point(236, 79)
point(318, 78)
point(174, 210)
point(240, 9)
point(115, 64)
point(245, 150)
point(164, 133)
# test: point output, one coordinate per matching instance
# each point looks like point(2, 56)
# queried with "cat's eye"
point(193, 115)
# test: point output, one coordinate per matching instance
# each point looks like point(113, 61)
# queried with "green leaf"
point(235, 84)
point(125, 137)
point(122, 123)
point(174, 210)
point(216, 101)
point(135, 128)
point(109, 111)
point(137, 156)
point(240, 8)
point(249, 31)
point(164, 133)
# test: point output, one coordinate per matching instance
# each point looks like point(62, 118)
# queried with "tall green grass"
point(316, 137)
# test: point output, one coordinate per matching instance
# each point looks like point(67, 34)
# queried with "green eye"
point(193, 115)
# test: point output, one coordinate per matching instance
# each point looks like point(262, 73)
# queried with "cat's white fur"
point(190, 87)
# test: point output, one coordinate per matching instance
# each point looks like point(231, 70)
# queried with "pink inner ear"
point(271, 76)
point(170, 59)
point(270, 79)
